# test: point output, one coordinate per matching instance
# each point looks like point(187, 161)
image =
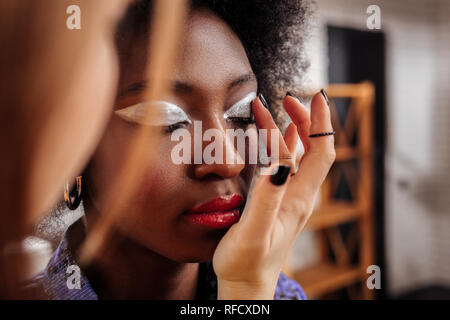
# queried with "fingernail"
point(280, 175)
point(263, 101)
point(292, 95)
point(325, 96)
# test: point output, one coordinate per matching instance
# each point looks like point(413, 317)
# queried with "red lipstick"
point(218, 213)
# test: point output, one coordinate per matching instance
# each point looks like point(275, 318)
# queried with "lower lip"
point(215, 220)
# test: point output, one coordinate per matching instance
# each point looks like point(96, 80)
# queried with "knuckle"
point(330, 156)
point(295, 209)
point(328, 153)
point(299, 206)
point(292, 207)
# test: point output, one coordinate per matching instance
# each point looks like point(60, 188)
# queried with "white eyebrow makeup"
point(242, 108)
point(163, 113)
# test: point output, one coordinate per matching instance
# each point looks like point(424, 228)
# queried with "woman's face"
point(171, 212)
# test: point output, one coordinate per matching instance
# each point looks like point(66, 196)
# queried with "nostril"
point(217, 171)
point(210, 177)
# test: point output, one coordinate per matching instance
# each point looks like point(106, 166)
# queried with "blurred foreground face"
point(71, 85)
point(213, 79)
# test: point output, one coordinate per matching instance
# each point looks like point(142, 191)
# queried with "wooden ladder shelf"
point(345, 256)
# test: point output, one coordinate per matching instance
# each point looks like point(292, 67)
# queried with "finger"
point(277, 146)
point(291, 138)
point(317, 161)
point(264, 201)
point(321, 122)
point(300, 115)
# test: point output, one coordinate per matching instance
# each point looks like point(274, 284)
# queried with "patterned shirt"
point(52, 282)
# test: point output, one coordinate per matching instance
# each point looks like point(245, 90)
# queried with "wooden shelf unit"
point(325, 277)
point(337, 268)
point(332, 214)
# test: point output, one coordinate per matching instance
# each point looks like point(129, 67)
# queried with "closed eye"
point(162, 114)
point(171, 128)
point(241, 120)
point(241, 111)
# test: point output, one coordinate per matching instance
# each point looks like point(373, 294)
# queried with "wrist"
point(239, 290)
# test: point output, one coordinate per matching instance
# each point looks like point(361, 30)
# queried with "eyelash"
point(171, 128)
point(245, 121)
point(241, 120)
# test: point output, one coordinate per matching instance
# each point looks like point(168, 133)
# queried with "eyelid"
point(242, 108)
point(162, 113)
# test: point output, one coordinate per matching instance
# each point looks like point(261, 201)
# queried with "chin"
point(193, 252)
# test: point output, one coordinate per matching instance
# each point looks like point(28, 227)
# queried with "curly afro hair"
point(273, 34)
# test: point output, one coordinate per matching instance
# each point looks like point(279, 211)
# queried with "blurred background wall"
point(408, 58)
point(413, 211)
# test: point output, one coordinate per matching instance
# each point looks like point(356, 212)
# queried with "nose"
point(227, 165)
point(224, 171)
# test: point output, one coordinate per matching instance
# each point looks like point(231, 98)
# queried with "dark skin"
point(156, 254)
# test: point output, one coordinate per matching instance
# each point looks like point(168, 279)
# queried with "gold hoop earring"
point(72, 198)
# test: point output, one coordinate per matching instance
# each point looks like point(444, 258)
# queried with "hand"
point(249, 258)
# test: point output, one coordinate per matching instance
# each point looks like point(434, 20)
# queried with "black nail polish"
point(292, 95)
point(263, 101)
point(324, 93)
point(280, 175)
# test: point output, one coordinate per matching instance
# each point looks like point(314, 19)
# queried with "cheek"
point(158, 182)
point(152, 214)
point(247, 175)
point(163, 181)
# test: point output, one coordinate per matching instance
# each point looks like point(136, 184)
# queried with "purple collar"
point(54, 278)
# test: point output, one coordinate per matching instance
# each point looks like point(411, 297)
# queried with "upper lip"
point(218, 204)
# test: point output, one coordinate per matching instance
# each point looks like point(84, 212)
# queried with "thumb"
point(264, 200)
